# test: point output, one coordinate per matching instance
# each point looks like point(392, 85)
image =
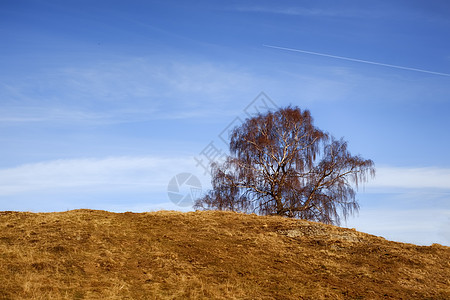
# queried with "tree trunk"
point(280, 207)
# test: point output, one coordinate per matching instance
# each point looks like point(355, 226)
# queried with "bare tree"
point(281, 164)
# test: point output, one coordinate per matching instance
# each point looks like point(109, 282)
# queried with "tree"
point(281, 164)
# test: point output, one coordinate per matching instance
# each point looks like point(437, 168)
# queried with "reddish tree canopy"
point(281, 164)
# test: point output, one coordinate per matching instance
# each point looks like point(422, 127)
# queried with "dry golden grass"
point(86, 254)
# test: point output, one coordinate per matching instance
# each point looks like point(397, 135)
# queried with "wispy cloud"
point(375, 10)
point(407, 204)
point(128, 89)
point(421, 226)
point(294, 11)
point(27, 114)
point(411, 178)
point(146, 81)
point(311, 12)
point(95, 174)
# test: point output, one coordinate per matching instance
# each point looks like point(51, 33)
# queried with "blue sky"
point(103, 102)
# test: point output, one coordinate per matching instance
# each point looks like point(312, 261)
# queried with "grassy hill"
point(86, 254)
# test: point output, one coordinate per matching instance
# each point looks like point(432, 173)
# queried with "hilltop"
point(87, 254)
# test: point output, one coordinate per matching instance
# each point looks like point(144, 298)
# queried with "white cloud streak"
point(411, 178)
point(300, 11)
point(103, 174)
point(421, 226)
point(358, 60)
point(31, 114)
point(127, 90)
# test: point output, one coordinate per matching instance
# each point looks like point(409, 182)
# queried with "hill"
point(87, 254)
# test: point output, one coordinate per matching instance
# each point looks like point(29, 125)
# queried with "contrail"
point(358, 60)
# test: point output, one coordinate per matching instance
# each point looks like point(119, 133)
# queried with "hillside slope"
point(86, 254)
